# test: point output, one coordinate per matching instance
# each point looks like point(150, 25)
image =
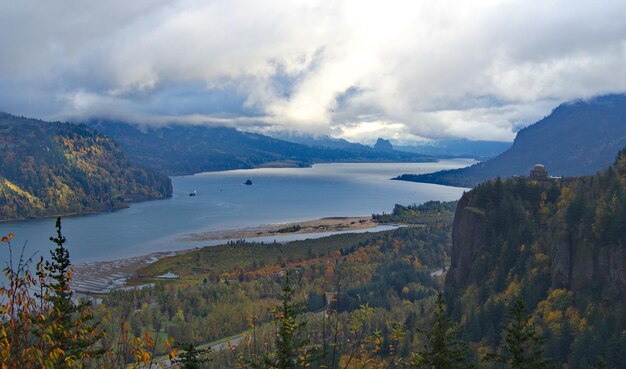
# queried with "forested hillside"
point(185, 149)
point(372, 299)
point(60, 168)
point(560, 245)
point(577, 138)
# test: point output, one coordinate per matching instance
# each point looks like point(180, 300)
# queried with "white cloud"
point(359, 69)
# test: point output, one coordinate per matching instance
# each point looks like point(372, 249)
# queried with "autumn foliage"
point(43, 325)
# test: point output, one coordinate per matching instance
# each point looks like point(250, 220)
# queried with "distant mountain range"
point(185, 149)
point(461, 148)
point(324, 141)
point(577, 138)
point(60, 168)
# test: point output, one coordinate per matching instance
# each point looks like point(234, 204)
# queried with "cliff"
point(560, 245)
point(60, 168)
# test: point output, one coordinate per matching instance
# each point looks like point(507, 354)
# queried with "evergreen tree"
point(59, 276)
point(191, 357)
point(289, 347)
point(443, 350)
point(600, 364)
point(522, 347)
point(72, 330)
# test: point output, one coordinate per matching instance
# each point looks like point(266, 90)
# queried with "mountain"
point(60, 168)
point(577, 138)
point(561, 245)
point(323, 141)
point(461, 148)
point(186, 149)
point(383, 145)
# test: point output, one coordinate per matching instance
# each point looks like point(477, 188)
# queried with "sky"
point(402, 70)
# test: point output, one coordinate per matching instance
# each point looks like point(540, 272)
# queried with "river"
point(224, 202)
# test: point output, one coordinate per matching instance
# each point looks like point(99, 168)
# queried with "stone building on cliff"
point(539, 173)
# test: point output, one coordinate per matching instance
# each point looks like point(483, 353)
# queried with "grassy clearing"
point(215, 261)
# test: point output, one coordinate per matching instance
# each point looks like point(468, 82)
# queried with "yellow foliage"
point(417, 264)
point(567, 195)
point(554, 317)
point(512, 289)
point(541, 257)
point(15, 188)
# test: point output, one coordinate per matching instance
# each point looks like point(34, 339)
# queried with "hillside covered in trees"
point(60, 168)
point(577, 138)
point(179, 149)
point(560, 246)
point(536, 281)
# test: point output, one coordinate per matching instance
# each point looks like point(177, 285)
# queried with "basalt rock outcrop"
point(560, 244)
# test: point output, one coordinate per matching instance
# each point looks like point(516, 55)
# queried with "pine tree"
point(59, 276)
point(192, 357)
point(289, 347)
point(72, 330)
point(443, 350)
point(522, 347)
point(600, 364)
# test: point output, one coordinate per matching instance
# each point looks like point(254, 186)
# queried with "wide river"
point(223, 202)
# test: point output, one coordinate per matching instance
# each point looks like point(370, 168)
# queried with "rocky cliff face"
point(383, 145)
point(560, 245)
point(581, 261)
point(571, 231)
point(468, 238)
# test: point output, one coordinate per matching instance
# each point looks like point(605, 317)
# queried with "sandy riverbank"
point(104, 276)
point(332, 224)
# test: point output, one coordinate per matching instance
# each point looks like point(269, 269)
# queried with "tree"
point(19, 347)
point(72, 330)
point(289, 347)
point(41, 326)
point(522, 347)
point(443, 350)
point(190, 357)
point(600, 364)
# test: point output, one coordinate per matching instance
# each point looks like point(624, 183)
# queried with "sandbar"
point(103, 276)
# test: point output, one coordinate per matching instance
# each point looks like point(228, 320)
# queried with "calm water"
point(223, 202)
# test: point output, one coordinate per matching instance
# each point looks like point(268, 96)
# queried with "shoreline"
point(101, 277)
point(328, 224)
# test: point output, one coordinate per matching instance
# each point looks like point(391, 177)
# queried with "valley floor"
point(102, 277)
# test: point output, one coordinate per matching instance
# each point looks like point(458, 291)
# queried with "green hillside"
point(560, 245)
point(59, 168)
point(185, 149)
point(577, 138)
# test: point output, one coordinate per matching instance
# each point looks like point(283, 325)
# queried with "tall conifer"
point(521, 347)
point(443, 349)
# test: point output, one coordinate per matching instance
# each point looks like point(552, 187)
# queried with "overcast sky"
point(402, 70)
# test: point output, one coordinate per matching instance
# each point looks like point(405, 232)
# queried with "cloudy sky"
point(403, 70)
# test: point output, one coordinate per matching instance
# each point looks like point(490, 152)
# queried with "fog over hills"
point(180, 149)
point(578, 138)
